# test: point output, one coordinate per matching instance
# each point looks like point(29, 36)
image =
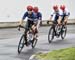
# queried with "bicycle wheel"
point(51, 35)
point(34, 41)
point(63, 31)
point(58, 30)
point(21, 44)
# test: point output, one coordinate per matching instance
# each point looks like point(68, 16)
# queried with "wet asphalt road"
point(9, 39)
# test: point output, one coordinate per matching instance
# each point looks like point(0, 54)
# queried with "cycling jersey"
point(30, 20)
point(65, 13)
point(38, 16)
point(56, 14)
point(29, 16)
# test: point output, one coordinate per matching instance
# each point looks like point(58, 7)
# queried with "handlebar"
point(20, 27)
point(49, 21)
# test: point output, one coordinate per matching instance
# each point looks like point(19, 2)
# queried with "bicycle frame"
point(22, 41)
point(30, 34)
point(54, 29)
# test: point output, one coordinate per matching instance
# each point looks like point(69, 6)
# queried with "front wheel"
point(51, 35)
point(21, 44)
point(34, 41)
point(63, 31)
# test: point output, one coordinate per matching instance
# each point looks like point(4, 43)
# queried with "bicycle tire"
point(34, 41)
point(63, 32)
point(22, 41)
point(58, 31)
point(52, 37)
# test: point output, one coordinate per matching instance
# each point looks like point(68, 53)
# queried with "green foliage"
point(62, 54)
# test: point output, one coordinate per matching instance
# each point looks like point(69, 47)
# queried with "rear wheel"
point(34, 41)
point(63, 31)
point(58, 30)
point(51, 35)
point(21, 44)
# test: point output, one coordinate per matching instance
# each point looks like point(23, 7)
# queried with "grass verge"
point(62, 54)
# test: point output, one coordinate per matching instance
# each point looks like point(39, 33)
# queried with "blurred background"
point(13, 10)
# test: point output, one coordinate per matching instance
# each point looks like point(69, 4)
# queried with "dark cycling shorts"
point(29, 24)
point(55, 22)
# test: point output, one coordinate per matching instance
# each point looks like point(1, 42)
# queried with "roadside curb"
point(2, 27)
point(43, 23)
point(33, 57)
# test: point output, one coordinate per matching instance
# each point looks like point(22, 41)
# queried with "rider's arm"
point(50, 18)
point(38, 24)
point(39, 20)
point(24, 16)
point(20, 22)
point(66, 17)
point(59, 20)
point(60, 17)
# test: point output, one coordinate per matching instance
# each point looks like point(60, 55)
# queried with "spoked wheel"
point(63, 31)
point(58, 30)
point(51, 35)
point(34, 41)
point(21, 44)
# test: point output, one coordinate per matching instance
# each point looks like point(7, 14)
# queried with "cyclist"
point(37, 17)
point(30, 15)
point(37, 20)
point(65, 14)
point(57, 14)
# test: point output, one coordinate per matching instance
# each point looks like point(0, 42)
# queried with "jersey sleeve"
point(52, 13)
point(60, 13)
point(24, 16)
point(67, 13)
point(40, 16)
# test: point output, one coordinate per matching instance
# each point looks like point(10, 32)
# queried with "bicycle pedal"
point(27, 44)
point(57, 35)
